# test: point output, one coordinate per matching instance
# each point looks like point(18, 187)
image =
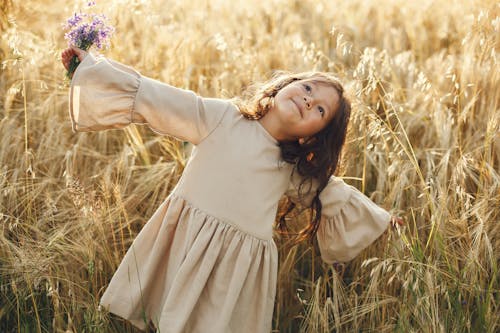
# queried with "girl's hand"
point(68, 53)
point(396, 222)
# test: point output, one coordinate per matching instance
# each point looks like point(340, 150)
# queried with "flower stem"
point(73, 64)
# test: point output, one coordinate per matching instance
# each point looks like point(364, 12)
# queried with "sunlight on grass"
point(423, 142)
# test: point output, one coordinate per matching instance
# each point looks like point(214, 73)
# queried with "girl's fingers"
point(78, 52)
point(396, 221)
point(69, 53)
point(65, 58)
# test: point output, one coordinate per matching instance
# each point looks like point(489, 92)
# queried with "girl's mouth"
point(298, 107)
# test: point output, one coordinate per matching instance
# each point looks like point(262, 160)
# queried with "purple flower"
point(74, 20)
point(86, 30)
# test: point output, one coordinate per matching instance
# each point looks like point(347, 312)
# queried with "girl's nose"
point(308, 102)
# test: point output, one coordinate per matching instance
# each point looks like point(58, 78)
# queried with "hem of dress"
point(218, 219)
point(138, 323)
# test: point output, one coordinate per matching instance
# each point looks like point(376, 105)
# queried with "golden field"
point(424, 142)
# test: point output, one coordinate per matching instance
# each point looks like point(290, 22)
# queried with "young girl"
point(206, 260)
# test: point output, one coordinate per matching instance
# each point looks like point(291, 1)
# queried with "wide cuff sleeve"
point(105, 94)
point(350, 222)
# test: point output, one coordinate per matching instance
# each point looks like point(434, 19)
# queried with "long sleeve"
point(350, 221)
point(105, 94)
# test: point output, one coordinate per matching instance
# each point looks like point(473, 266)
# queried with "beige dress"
point(206, 260)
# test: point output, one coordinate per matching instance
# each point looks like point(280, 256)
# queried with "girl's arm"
point(350, 221)
point(105, 94)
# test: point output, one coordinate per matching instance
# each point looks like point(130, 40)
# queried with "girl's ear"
point(309, 139)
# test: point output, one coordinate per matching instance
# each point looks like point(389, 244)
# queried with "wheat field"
point(423, 142)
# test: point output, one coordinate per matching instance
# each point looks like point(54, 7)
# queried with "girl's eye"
point(321, 110)
point(307, 87)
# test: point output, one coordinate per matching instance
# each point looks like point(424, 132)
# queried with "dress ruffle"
point(96, 104)
point(188, 266)
point(350, 222)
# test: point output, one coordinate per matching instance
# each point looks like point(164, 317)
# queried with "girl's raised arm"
point(105, 94)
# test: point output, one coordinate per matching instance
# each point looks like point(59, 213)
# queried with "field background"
point(424, 143)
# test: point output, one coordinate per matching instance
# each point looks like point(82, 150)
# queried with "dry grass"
point(424, 142)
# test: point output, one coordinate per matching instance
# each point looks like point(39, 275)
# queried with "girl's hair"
point(318, 157)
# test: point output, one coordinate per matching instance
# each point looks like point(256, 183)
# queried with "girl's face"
point(305, 107)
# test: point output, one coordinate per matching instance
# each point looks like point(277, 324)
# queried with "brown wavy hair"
point(315, 159)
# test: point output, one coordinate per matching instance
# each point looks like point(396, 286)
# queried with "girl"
point(206, 260)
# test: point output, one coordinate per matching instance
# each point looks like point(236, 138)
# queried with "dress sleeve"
point(105, 94)
point(350, 222)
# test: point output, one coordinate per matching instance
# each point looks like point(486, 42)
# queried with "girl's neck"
point(272, 125)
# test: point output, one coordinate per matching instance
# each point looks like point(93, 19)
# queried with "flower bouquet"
point(85, 30)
